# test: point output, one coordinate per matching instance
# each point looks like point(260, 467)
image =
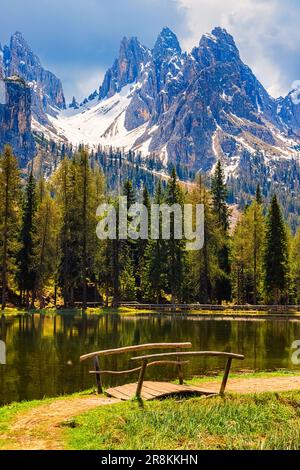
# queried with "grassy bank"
point(267, 421)
point(132, 312)
point(262, 421)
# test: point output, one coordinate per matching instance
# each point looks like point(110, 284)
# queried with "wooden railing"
point(211, 308)
point(145, 364)
point(94, 356)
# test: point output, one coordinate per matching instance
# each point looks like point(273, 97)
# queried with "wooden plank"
point(140, 347)
point(115, 393)
point(164, 386)
point(190, 353)
point(152, 390)
point(159, 387)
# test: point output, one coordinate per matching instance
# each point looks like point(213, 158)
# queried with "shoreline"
point(131, 312)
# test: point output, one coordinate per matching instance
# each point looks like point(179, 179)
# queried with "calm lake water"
point(43, 350)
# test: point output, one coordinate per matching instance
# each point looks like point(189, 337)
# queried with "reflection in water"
point(43, 350)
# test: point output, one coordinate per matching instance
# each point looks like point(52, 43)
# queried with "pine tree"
point(142, 244)
point(128, 253)
point(154, 270)
point(175, 255)
point(9, 216)
point(258, 195)
point(219, 195)
point(276, 258)
point(203, 270)
point(26, 273)
point(45, 245)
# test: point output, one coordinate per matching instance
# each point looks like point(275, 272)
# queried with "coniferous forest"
point(51, 256)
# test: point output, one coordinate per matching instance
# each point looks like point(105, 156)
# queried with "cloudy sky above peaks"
point(79, 39)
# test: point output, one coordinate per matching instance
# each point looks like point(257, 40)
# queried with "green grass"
point(263, 421)
point(267, 421)
point(217, 377)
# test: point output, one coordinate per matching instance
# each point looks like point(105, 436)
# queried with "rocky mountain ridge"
point(186, 109)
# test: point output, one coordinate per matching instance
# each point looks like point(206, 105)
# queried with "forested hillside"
point(50, 254)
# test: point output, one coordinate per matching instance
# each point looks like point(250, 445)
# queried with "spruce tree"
point(142, 244)
point(45, 245)
point(219, 195)
point(258, 195)
point(175, 249)
point(276, 258)
point(154, 277)
point(26, 273)
point(203, 270)
point(128, 253)
point(9, 216)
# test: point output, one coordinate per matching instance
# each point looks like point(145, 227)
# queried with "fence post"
point(225, 377)
point(98, 376)
point(141, 379)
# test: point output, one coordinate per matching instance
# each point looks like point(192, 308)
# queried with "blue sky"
point(79, 39)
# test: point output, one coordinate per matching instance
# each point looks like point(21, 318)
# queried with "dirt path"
point(39, 428)
point(259, 385)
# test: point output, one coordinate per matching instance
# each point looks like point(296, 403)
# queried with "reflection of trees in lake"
point(44, 350)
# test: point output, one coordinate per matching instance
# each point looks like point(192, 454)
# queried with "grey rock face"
point(74, 104)
point(15, 118)
point(289, 112)
point(46, 88)
point(125, 69)
point(161, 80)
point(211, 105)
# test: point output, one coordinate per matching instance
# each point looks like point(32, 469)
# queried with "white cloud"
point(90, 82)
point(266, 31)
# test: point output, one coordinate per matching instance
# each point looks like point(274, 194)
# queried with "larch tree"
point(9, 216)
point(295, 265)
point(247, 255)
point(26, 272)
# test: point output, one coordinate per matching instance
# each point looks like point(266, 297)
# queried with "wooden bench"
point(151, 390)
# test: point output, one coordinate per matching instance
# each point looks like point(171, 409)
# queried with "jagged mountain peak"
point(167, 44)
point(74, 104)
point(126, 68)
point(218, 46)
point(46, 89)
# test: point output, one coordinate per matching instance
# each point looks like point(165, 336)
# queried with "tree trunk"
point(5, 240)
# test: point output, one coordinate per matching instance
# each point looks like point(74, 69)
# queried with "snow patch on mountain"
point(99, 122)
